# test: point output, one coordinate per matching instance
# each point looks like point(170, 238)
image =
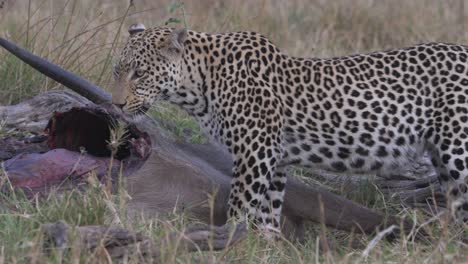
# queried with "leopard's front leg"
point(257, 188)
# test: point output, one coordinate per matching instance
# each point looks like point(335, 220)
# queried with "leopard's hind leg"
point(450, 158)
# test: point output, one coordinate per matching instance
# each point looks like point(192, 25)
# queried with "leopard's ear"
point(135, 28)
point(174, 46)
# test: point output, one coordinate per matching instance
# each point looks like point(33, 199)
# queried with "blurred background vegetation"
point(85, 35)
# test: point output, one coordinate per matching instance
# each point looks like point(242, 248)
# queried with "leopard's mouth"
point(144, 108)
point(139, 112)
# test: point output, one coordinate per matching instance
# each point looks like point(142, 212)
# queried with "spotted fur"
point(353, 114)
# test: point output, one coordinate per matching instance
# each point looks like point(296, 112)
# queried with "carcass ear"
point(135, 28)
point(174, 46)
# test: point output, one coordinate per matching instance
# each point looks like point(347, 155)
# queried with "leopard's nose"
point(120, 105)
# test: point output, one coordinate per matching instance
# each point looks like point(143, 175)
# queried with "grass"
point(84, 36)
point(22, 239)
point(178, 123)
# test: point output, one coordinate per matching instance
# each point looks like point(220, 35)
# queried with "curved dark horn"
point(84, 87)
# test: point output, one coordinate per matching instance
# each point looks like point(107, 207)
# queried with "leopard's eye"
point(139, 72)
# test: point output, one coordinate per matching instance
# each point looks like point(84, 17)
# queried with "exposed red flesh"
point(68, 134)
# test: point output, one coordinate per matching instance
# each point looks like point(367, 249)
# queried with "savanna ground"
point(85, 35)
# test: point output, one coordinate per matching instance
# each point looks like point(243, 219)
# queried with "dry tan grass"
point(80, 34)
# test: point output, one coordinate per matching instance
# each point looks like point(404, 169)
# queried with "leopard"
point(359, 114)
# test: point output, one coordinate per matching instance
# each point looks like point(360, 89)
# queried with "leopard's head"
point(149, 68)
